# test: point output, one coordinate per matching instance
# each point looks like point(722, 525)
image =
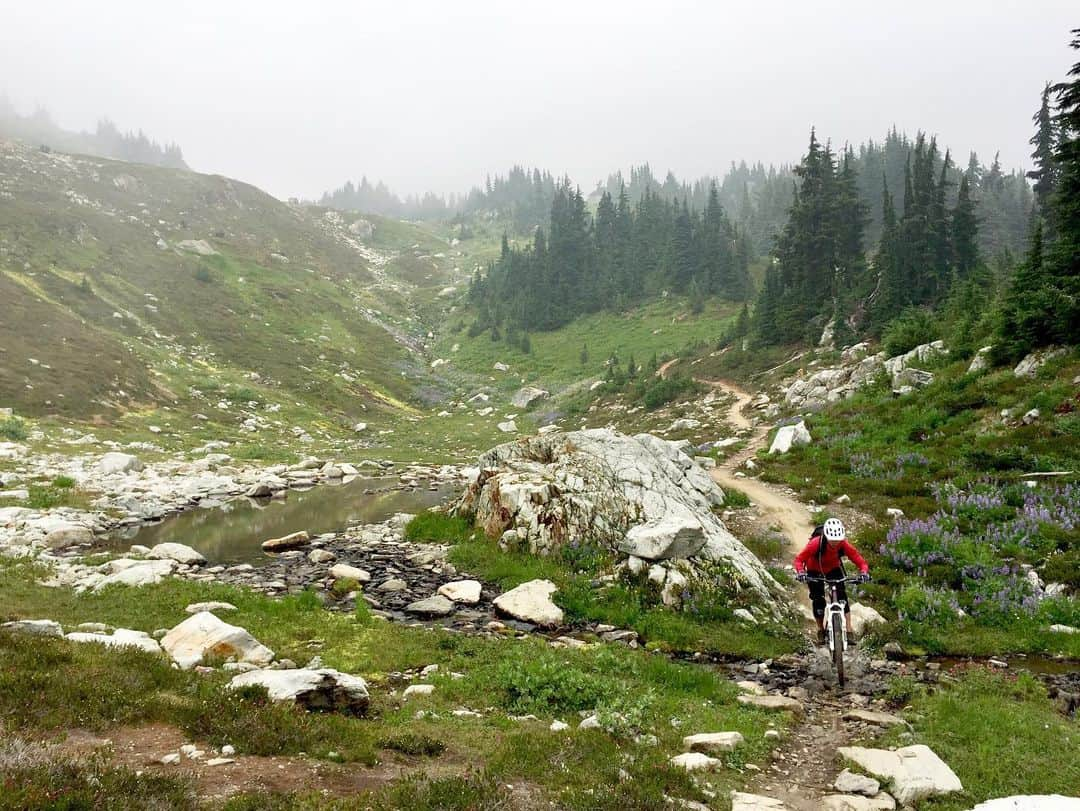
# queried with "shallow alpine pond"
point(232, 531)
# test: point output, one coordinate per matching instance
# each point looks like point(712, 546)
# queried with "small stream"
point(232, 532)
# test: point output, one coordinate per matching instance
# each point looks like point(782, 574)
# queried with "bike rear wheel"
point(838, 647)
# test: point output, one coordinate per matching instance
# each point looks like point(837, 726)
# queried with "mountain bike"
point(835, 627)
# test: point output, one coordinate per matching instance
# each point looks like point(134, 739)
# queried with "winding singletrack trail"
point(790, 515)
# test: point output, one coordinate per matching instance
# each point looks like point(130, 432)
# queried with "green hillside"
point(130, 288)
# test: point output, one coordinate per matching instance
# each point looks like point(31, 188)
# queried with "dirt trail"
point(790, 515)
point(805, 764)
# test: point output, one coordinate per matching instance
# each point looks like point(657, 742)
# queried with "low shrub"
point(14, 429)
point(913, 327)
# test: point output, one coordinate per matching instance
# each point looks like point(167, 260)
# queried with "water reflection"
point(233, 531)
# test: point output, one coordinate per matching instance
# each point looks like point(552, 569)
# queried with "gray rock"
point(35, 627)
point(393, 585)
point(848, 782)
point(609, 490)
point(197, 246)
point(120, 638)
point(115, 462)
point(741, 801)
point(435, 606)
point(323, 689)
point(529, 395)
point(770, 702)
point(342, 571)
point(203, 634)
point(178, 552)
point(981, 361)
point(293, 540)
point(912, 772)
point(212, 607)
point(66, 534)
point(712, 742)
point(790, 436)
point(531, 602)
point(695, 762)
point(466, 592)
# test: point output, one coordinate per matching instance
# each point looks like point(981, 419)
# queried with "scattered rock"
point(436, 606)
point(981, 361)
point(318, 556)
point(848, 782)
point(120, 638)
point(203, 634)
point(531, 602)
point(462, 591)
point(343, 571)
point(1035, 361)
point(881, 719)
point(853, 802)
point(212, 606)
point(508, 427)
point(863, 616)
point(1031, 802)
point(35, 627)
point(772, 703)
point(527, 396)
point(197, 246)
point(294, 540)
point(790, 436)
point(178, 552)
point(741, 801)
point(323, 689)
point(65, 534)
point(913, 772)
point(1063, 629)
point(712, 742)
point(115, 462)
point(695, 762)
point(418, 690)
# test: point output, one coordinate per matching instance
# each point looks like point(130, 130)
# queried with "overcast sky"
point(297, 97)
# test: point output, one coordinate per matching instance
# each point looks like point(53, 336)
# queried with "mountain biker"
point(821, 557)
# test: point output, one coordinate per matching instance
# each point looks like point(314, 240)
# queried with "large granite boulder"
point(639, 495)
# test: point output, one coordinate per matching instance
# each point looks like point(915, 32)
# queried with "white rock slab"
point(321, 689)
point(466, 592)
point(178, 552)
point(913, 772)
point(120, 638)
point(531, 602)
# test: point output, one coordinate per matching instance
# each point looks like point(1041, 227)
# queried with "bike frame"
point(835, 606)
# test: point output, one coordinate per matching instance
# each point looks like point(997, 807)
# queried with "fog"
point(297, 98)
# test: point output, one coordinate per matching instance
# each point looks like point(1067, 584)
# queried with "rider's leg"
point(817, 600)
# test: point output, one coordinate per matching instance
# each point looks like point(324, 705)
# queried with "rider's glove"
point(865, 577)
point(801, 577)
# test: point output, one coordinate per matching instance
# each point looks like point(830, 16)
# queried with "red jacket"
point(830, 557)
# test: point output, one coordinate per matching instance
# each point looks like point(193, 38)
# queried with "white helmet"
point(834, 530)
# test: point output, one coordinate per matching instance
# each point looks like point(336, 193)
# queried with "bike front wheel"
point(838, 647)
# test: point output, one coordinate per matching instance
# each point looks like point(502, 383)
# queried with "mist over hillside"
point(106, 141)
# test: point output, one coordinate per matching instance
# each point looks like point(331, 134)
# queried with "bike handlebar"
point(849, 579)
